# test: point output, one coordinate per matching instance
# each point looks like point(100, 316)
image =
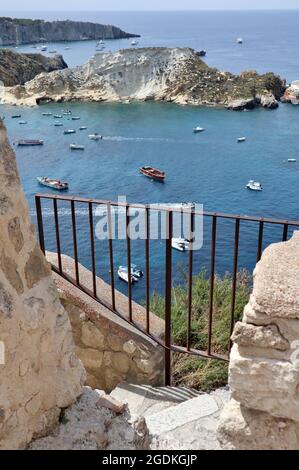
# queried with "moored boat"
point(239, 40)
point(75, 118)
point(134, 43)
point(124, 276)
point(69, 131)
point(57, 116)
point(254, 185)
point(27, 143)
point(77, 147)
point(67, 112)
point(241, 139)
point(180, 244)
point(292, 160)
point(82, 128)
point(22, 122)
point(47, 113)
point(135, 271)
point(153, 173)
point(198, 129)
point(15, 116)
point(58, 124)
point(53, 183)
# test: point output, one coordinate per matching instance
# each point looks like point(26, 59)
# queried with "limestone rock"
point(292, 93)
point(241, 104)
point(107, 401)
point(259, 336)
point(91, 336)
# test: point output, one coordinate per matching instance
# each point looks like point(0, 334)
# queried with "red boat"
point(153, 173)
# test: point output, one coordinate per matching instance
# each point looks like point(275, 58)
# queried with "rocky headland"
point(15, 31)
point(292, 93)
point(162, 74)
point(17, 69)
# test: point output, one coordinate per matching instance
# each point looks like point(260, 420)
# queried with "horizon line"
point(154, 10)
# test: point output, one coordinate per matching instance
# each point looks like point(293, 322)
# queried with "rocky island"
point(162, 74)
point(15, 31)
point(17, 69)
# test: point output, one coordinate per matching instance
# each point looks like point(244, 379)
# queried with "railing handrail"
point(221, 215)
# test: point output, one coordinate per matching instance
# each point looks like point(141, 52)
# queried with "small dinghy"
point(75, 118)
point(22, 122)
point(198, 129)
point(52, 183)
point(135, 271)
point(292, 160)
point(77, 147)
point(180, 244)
point(15, 116)
point(69, 131)
point(47, 113)
point(82, 128)
point(95, 136)
point(254, 185)
point(124, 276)
point(27, 143)
point(241, 139)
point(57, 116)
point(153, 173)
point(58, 124)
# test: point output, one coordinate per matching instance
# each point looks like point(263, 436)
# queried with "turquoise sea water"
point(208, 168)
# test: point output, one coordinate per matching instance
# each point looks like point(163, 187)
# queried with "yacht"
point(292, 160)
point(30, 143)
point(180, 244)
point(254, 185)
point(53, 183)
point(198, 129)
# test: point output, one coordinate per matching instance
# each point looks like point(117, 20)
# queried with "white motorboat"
point(180, 244)
point(254, 185)
point(198, 129)
point(239, 40)
point(58, 124)
point(134, 43)
point(77, 147)
point(53, 183)
point(44, 48)
point(67, 48)
point(82, 128)
point(75, 118)
point(241, 139)
point(47, 113)
point(124, 276)
point(22, 122)
point(292, 160)
point(135, 271)
point(95, 136)
point(67, 112)
point(57, 116)
point(69, 131)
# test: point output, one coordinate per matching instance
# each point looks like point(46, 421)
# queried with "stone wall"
point(39, 373)
point(111, 350)
point(264, 365)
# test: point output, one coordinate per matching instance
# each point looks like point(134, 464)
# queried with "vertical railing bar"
point(234, 278)
point(147, 272)
point(40, 225)
point(93, 264)
point(129, 263)
point(190, 281)
point(75, 241)
point(111, 255)
point(285, 232)
point(212, 281)
point(260, 241)
point(57, 234)
point(168, 300)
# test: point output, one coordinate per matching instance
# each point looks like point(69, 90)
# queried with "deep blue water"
point(209, 168)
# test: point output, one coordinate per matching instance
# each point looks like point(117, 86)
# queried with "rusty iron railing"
point(128, 316)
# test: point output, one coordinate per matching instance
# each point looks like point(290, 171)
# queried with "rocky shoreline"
point(14, 31)
point(161, 74)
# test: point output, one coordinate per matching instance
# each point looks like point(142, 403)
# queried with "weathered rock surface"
point(41, 374)
point(175, 75)
point(264, 365)
point(15, 31)
point(292, 93)
point(17, 69)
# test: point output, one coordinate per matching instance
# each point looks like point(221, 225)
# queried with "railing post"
point(168, 300)
point(39, 216)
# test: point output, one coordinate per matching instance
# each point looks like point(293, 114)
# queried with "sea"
point(209, 168)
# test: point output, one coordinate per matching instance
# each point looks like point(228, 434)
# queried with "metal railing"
point(128, 316)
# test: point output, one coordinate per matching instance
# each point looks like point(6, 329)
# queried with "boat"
point(134, 43)
point(201, 53)
point(57, 116)
point(239, 40)
point(254, 185)
point(53, 183)
point(82, 128)
point(198, 129)
point(124, 276)
point(47, 113)
point(153, 173)
point(75, 118)
point(77, 147)
point(67, 48)
point(15, 116)
point(135, 271)
point(58, 124)
point(67, 112)
point(95, 136)
point(44, 48)
point(25, 143)
point(180, 244)
point(69, 131)
point(241, 139)
point(22, 122)
point(292, 160)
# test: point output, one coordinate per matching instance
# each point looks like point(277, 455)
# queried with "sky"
point(69, 5)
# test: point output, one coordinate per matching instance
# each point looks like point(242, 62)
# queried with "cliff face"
point(176, 75)
point(17, 69)
point(25, 31)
